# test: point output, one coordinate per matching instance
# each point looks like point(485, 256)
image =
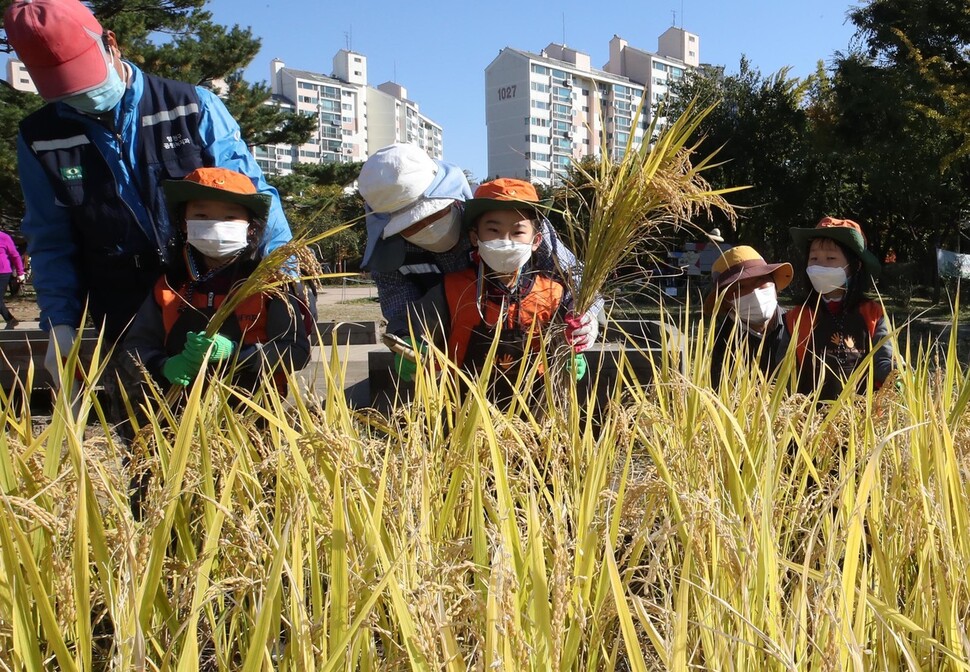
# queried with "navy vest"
point(119, 257)
point(421, 267)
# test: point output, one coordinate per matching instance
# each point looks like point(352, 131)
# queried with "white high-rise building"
point(544, 110)
point(395, 118)
point(353, 119)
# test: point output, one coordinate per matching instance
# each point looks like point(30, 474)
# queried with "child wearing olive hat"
point(221, 218)
point(837, 325)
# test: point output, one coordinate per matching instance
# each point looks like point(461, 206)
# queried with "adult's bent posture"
point(91, 163)
point(414, 208)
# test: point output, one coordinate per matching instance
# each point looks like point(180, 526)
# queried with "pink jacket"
point(9, 256)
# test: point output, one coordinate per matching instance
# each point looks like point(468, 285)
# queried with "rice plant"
point(651, 525)
point(682, 527)
point(646, 192)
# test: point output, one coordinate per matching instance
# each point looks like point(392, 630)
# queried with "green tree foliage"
point(894, 180)
point(760, 132)
point(317, 197)
point(179, 40)
point(883, 137)
point(13, 106)
point(903, 111)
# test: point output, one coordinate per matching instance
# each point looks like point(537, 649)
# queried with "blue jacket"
point(61, 276)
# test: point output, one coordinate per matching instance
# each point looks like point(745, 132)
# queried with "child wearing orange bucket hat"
point(220, 217)
point(837, 325)
point(745, 292)
point(504, 293)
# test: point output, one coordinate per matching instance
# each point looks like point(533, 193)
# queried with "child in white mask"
point(221, 217)
point(502, 291)
point(837, 325)
point(745, 293)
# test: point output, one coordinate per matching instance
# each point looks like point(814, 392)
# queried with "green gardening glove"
point(406, 368)
point(180, 369)
point(197, 345)
point(579, 366)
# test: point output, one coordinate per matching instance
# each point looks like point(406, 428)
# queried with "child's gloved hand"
point(581, 330)
point(197, 346)
point(180, 369)
point(578, 366)
point(406, 368)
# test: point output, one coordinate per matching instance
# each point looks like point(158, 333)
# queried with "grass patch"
point(363, 301)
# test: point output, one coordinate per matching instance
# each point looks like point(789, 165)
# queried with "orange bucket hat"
point(505, 193)
point(217, 184)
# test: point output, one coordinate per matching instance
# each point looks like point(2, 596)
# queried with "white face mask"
point(826, 279)
point(440, 235)
point(217, 239)
point(504, 256)
point(757, 307)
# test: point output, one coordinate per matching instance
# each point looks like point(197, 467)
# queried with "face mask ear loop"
point(480, 289)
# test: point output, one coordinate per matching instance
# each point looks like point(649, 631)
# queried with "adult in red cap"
point(838, 325)
point(745, 291)
point(92, 162)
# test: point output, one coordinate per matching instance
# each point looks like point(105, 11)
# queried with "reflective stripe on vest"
point(539, 306)
point(419, 269)
point(63, 143)
point(170, 115)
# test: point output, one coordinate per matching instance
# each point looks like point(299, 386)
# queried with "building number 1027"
point(506, 92)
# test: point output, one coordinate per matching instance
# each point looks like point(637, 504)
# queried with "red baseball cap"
point(59, 42)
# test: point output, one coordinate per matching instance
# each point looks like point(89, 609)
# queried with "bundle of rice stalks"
point(651, 189)
point(289, 263)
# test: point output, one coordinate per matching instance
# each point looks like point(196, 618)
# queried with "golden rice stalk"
point(650, 189)
point(282, 266)
point(291, 262)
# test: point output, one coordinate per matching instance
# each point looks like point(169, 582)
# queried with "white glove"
point(20, 278)
point(61, 341)
point(582, 330)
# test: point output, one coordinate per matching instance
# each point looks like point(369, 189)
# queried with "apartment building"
point(545, 109)
point(353, 118)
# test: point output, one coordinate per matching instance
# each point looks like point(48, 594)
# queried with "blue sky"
point(439, 50)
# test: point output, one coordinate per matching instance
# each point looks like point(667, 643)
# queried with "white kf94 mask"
point(217, 239)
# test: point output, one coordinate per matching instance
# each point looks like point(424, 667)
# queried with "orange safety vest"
point(538, 308)
point(800, 323)
point(251, 314)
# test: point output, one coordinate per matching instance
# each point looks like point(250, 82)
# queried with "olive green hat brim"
point(182, 191)
point(850, 239)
